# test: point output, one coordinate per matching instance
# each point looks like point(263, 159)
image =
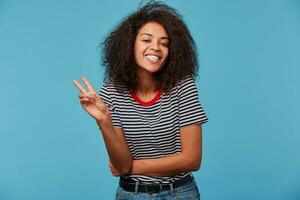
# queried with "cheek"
point(166, 53)
point(139, 55)
point(139, 50)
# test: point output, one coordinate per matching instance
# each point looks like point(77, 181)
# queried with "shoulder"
point(112, 87)
point(113, 91)
point(188, 80)
point(109, 85)
point(185, 84)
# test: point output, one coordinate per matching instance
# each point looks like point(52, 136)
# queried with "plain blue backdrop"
point(249, 55)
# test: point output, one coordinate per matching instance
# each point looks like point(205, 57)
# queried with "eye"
point(165, 44)
point(146, 40)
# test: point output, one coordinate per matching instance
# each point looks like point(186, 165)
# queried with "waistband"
point(133, 186)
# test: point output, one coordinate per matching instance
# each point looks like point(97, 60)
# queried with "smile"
point(153, 58)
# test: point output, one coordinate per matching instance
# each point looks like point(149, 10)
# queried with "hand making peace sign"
point(91, 101)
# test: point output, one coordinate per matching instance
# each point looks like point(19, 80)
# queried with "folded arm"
point(117, 148)
point(114, 139)
point(188, 160)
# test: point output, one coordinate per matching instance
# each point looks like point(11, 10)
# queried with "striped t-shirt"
point(152, 128)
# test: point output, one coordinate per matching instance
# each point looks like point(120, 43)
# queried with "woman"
point(148, 108)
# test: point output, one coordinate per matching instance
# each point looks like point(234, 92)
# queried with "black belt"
point(132, 186)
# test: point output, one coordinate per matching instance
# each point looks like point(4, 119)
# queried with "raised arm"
point(188, 160)
point(115, 142)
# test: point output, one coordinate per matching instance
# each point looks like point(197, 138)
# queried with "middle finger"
point(79, 86)
point(88, 84)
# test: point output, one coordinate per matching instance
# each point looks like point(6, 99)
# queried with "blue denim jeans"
point(188, 191)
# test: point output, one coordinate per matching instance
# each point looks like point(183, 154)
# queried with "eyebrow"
point(148, 34)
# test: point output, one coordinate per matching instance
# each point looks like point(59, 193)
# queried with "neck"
point(146, 84)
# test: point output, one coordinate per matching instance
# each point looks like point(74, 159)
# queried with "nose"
point(154, 46)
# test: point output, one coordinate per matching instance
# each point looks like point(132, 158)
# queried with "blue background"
point(249, 66)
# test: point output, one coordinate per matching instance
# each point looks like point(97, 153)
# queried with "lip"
point(153, 62)
point(153, 54)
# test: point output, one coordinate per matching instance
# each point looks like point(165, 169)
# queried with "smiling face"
point(151, 47)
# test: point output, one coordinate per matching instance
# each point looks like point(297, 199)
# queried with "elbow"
point(126, 168)
point(124, 172)
point(194, 164)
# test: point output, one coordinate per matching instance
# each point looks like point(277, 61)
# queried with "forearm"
point(118, 152)
point(166, 166)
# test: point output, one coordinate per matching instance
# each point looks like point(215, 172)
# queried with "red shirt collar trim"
point(144, 103)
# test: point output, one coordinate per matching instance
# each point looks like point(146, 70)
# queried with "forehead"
point(153, 29)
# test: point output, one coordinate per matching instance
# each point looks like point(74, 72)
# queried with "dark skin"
point(191, 142)
point(188, 160)
point(114, 139)
point(191, 136)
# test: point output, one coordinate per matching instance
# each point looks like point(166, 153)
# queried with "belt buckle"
point(153, 188)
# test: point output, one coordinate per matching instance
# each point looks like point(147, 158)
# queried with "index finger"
point(89, 86)
point(79, 86)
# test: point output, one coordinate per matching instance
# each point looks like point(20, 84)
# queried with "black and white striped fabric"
point(152, 130)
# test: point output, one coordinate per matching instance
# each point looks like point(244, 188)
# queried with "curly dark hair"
point(118, 49)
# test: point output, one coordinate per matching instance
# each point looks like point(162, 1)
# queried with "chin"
point(145, 65)
point(152, 69)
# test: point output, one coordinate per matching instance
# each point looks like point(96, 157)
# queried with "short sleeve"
point(190, 109)
point(106, 97)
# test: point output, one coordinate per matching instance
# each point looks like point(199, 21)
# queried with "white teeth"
point(152, 58)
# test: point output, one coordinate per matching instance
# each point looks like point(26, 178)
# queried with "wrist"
point(135, 169)
point(104, 124)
